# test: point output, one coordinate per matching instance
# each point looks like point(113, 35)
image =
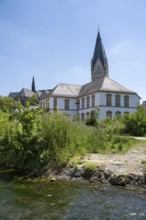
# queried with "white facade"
point(85, 104)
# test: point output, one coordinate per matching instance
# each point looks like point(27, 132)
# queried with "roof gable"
point(65, 90)
point(103, 84)
point(26, 93)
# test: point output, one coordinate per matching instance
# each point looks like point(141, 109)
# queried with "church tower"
point(33, 85)
point(99, 62)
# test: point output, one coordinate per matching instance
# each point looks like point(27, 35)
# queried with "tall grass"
point(32, 138)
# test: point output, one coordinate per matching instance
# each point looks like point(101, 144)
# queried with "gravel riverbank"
point(127, 169)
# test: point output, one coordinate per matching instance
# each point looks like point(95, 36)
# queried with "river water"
point(61, 200)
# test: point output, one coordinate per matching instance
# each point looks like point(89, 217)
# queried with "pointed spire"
point(99, 60)
point(99, 51)
point(33, 85)
point(98, 28)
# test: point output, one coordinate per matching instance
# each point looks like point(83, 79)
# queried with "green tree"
point(135, 124)
point(6, 104)
point(24, 151)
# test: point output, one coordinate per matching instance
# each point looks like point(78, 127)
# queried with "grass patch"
point(89, 169)
point(143, 162)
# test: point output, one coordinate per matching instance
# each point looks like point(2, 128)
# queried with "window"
point(87, 114)
point(109, 114)
point(55, 103)
point(117, 101)
point(126, 113)
point(93, 100)
point(78, 104)
point(48, 103)
point(109, 100)
point(66, 104)
point(43, 103)
point(118, 114)
point(82, 116)
point(88, 102)
point(83, 103)
point(126, 101)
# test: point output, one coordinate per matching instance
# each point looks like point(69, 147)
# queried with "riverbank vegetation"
point(30, 138)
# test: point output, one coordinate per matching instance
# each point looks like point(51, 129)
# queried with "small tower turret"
point(33, 85)
point(99, 62)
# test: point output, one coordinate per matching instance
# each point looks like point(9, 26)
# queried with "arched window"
point(109, 114)
point(126, 113)
point(88, 102)
point(117, 100)
point(126, 101)
point(109, 100)
point(66, 104)
point(87, 114)
point(118, 114)
point(82, 116)
point(93, 101)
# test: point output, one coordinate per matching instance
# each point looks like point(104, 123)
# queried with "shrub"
point(31, 138)
point(92, 119)
point(89, 169)
point(135, 124)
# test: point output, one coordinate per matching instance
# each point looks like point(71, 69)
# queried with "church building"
point(102, 93)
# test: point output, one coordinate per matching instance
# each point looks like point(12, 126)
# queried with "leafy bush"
point(31, 138)
point(135, 124)
point(6, 104)
point(92, 119)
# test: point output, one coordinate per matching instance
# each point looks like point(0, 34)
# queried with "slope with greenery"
point(30, 138)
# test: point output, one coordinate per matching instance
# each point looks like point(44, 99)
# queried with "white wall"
point(100, 102)
point(60, 104)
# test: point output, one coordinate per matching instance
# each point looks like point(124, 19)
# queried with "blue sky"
point(54, 40)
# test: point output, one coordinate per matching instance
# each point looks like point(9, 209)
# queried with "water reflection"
point(63, 200)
